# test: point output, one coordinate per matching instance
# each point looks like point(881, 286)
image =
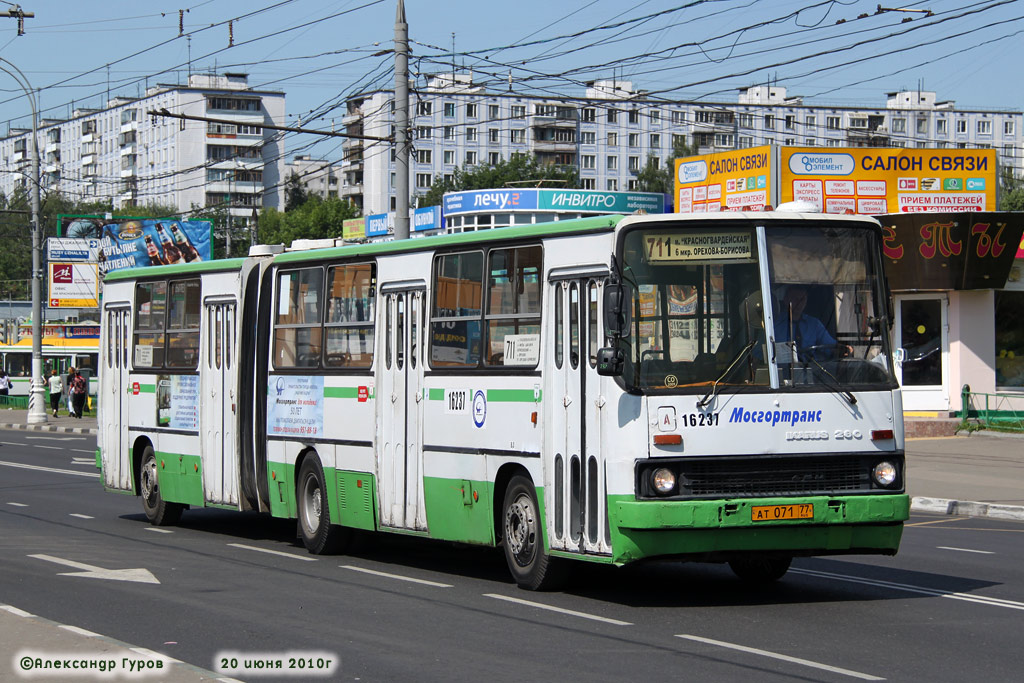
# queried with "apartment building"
point(610, 132)
point(318, 176)
point(123, 154)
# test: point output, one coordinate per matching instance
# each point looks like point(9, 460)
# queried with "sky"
point(77, 52)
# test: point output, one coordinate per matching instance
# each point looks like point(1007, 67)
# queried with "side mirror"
point(610, 361)
point(617, 306)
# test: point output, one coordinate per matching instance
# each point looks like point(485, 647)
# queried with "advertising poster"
point(135, 243)
point(73, 285)
point(177, 401)
point(353, 229)
point(295, 406)
point(875, 181)
point(737, 180)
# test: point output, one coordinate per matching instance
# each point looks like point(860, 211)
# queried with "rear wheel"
point(318, 534)
point(761, 569)
point(159, 512)
point(523, 539)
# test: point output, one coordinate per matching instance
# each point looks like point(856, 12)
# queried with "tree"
point(655, 178)
point(1013, 200)
point(520, 168)
point(295, 192)
point(315, 218)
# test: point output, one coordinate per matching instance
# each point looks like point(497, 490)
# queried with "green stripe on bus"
point(214, 266)
point(341, 392)
point(436, 395)
point(514, 395)
point(147, 388)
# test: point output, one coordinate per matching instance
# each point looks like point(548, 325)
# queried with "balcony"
point(128, 149)
point(554, 146)
point(129, 172)
point(129, 127)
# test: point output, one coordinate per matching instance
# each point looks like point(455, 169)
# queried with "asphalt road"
point(949, 607)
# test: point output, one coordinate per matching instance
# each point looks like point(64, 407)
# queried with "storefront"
point(958, 291)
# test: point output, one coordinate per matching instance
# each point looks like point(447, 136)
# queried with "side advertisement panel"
point(876, 181)
point(737, 180)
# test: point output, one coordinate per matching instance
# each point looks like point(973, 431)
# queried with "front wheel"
point(158, 511)
point(318, 534)
point(523, 540)
point(763, 569)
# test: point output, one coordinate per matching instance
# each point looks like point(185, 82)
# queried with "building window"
point(836, 143)
point(588, 184)
point(679, 117)
point(922, 126)
point(587, 161)
point(517, 136)
point(961, 125)
point(655, 141)
point(858, 122)
point(423, 179)
point(449, 109)
point(634, 139)
point(588, 137)
point(655, 115)
point(493, 158)
point(746, 141)
point(449, 157)
point(678, 141)
point(613, 139)
point(471, 135)
point(809, 142)
point(588, 115)
point(518, 111)
point(424, 156)
point(612, 185)
point(810, 122)
point(769, 122)
point(634, 163)
point(632, 184)
point(942, 127)
point(493, 112)
point(449, 132)
point(613, 115)
point(471, 158)
point(470, 111)
point(424, 108)
point(612, 162)
point(832, 122)
point(746, 120)
point(1008, 128)
point(493, 135)
point(424, 132)
point(984, 126)
point(1009, 351)
point(724, 140)
point(634, 116)
point(790, 121)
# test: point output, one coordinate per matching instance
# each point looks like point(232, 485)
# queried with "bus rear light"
point(668, 439)
point(533, 417)
point(881, 434)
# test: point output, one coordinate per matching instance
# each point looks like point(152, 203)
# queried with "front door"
point(575, 468)
point(400, 400)
point(114, 391)
point(218, 405)
point(922, 333)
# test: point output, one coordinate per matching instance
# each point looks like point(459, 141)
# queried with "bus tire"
point(523, 539)
point(318, 534)
point(761, 569)
point(158, 511)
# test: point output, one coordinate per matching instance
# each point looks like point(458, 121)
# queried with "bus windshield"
point(698, 317)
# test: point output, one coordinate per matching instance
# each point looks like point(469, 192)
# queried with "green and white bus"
point(713, 388)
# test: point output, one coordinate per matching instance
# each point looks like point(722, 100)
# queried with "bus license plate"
point(775, 513)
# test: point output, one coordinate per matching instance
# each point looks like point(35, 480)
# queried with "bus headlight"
point(663, 480)
point(884, 473)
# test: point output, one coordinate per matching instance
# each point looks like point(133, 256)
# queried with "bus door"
point(400, 402)
point(115, 389)
point(219, 404)
point(576, 467)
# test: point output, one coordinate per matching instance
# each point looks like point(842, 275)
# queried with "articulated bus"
point(714, 388)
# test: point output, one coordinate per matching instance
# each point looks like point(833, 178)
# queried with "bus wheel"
point(318, 534)
point(763, 569)
point(523, 539)
point(159, 512)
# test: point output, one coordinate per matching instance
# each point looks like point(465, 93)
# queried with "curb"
point(49, 428)
point(946, 506)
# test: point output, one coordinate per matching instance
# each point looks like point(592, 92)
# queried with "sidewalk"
point(15, 419)
point(31, 641)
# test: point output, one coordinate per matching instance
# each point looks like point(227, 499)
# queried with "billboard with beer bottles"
point(138, 242)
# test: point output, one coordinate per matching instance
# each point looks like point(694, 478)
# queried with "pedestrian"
point(79, 390)
point(5, 383)
point(56, 389)
point(67, 390)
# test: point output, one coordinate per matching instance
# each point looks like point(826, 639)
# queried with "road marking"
point(399, 577)
point(80, 515)
point(560, 610)
point(138, 575)
point(94, 475)
point(55, 438)
point(18, 505)
point(50, 448)
point(84, 450)
point(15, 611)
point(934, 592)
point(79, 631)
point(272, 552)
point(159, 530)
point(938, 521)
point(785, 658)
point(965, 550)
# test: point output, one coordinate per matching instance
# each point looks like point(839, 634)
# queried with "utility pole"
point(17, 13)
point(401, 124)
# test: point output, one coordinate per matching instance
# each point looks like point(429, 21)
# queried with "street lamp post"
point(36, 409)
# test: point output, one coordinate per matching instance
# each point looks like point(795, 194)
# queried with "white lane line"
point(83, 450)
point(272, 552)
point(80, 515)
point(53, 438)
point(398, 577)
point(936, 593)
point(50, 448)
point(560, 610)
point(79, 631)
point(15, 611)
point(18, 505)
point(965, 550)
point(159, 530)
point(784, 658)
point(93, 475)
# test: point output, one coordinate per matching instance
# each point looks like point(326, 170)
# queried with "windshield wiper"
point(837, 386)
point(708, 397)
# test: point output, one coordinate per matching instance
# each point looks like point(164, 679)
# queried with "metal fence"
point(1002, 411)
